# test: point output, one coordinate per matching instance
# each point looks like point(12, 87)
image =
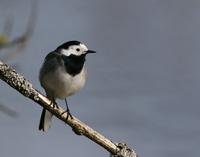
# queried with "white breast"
point(62, 84)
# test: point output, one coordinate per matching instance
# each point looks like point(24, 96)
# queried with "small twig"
point(8, 111)
point(20, 42)
point(8, 26)
point(18, 82)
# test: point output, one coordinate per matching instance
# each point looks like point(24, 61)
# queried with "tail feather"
point(45, 120)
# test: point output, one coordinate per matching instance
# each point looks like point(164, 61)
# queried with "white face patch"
point(76, 50)
point(83, 47)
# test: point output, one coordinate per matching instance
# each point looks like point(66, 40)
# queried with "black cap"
point(68, 44)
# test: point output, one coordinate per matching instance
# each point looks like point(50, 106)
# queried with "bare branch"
point(18, 82)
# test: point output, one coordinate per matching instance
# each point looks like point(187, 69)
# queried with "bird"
point(62, 74)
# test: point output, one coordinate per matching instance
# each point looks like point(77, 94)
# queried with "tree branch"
point(18, 82)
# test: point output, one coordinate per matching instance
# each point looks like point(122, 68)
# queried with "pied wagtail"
point(62, 74)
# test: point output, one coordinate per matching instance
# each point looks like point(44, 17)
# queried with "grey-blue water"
point(143, 84)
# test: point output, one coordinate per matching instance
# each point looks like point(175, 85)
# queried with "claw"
point(55, 105)
point(53, 102)
point(67, 110)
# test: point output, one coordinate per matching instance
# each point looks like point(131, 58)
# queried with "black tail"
point(42, 119)
point(45, 120)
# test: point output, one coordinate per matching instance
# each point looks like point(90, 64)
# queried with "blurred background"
point(142, 87)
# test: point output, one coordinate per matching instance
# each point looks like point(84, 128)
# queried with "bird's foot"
point(68, 114)
point(67, 110)
point(54, 104)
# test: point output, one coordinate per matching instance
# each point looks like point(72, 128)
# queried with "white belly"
point(62, 84)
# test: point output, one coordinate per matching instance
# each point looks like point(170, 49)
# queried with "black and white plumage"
point(62, 74)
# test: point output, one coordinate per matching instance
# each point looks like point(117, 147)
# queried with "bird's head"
point(74, 48)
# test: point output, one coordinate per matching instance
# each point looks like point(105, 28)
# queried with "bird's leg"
point(67, 110)
point(53, 102)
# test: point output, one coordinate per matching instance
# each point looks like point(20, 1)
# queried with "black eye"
point(77, 49)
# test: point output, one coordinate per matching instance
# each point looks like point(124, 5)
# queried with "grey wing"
point(52, 61)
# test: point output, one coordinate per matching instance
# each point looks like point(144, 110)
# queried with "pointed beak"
point(90, 51)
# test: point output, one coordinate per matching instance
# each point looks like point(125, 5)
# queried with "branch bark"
point(19, 83)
